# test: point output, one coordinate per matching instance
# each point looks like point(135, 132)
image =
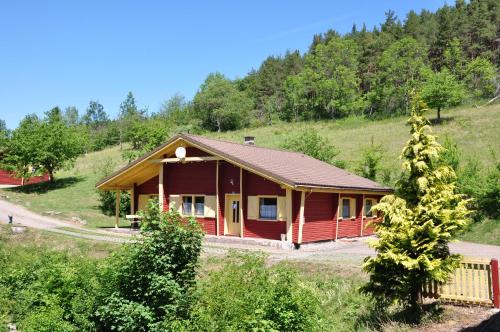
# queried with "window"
point(187, 205)
point(199, 206)
point(193, 205)
point(268, 208)
point(368, 207)
point(346, 208)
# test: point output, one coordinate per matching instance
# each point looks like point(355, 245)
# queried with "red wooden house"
point(248, 191)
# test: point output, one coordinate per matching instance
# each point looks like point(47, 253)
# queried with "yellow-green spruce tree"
point(419, 220)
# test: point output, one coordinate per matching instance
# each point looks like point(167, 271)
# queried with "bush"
point(309, 142)
point(245, 295)
point(152, 279)
point(46, 290)
point(489, 198)
point(47, 319)
point(369, 167)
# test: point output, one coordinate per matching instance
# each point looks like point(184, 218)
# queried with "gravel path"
point(350, 249)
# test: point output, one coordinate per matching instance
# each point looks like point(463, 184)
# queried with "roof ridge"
point(248, 145)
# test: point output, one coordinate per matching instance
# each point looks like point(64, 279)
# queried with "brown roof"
point(292, 168)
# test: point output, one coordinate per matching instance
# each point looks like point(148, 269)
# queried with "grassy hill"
point(73, 194)
point(474, 129)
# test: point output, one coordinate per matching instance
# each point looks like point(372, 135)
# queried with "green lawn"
point(74, 194)
point(474, 129)
point(487, 232)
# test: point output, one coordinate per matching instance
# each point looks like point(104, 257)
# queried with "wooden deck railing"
point(474, 282)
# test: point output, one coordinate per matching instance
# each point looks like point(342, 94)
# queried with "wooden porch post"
point(338, 213)
point(242, 220)
point(289, 227)
point(132, 199)
point(301, 215)
point(362, 213)
point(161, 193)
point(217, 214)
point(117, 208)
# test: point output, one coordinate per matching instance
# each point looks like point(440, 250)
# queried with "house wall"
point(319, 214)
point(254, 185)
point(320, 211)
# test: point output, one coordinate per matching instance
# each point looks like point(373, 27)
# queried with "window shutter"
point(253, 207)
point(210, 206)
point(281, 208)
point(175, 202)
point(353, 207)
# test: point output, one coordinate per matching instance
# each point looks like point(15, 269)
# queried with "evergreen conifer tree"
point(419, 220)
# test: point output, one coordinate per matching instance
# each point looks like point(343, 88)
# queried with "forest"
point(449, 56)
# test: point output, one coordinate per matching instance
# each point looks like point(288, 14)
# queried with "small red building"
point(8, 178)
point(248, 191)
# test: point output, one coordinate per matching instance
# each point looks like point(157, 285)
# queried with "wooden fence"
point(474, 282)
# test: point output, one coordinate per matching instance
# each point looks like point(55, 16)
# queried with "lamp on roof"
point(180, 152)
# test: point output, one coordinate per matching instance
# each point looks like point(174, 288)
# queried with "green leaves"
point(442, 89)
point(312, 144)
point(418, 222)
point(150, 281)
point(47, 143)
point(220, 105)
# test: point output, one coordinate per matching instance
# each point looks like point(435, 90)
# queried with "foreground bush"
point(245, 295)
point(149, 283)
point(47, 290)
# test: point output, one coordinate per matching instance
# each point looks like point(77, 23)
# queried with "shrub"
point(489, 198)
point(309, 142)
point(47, 319)
point(45, 290)
point(245, 295)
point(370, 164)
point(152, 279)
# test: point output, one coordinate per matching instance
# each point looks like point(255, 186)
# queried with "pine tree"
point(419, 220)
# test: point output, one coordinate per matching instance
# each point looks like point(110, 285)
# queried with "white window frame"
point(193, 206)
point(267, 196)
point(352, 202)
point(365, 213)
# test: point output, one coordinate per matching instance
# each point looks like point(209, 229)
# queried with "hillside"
point(474, 129)
point(74, 194)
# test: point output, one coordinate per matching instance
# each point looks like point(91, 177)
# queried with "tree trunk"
point(439, 114)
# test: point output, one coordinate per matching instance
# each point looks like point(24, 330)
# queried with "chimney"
point(250, 140)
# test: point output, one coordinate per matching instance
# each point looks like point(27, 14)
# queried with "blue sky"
point(62, 53)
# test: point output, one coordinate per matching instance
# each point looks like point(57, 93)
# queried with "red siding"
point(352, 228)
point(190, 178)
point(257, 185)
point(208, 225)
point(148, 187)
point(319, 213)
point(265, 229)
